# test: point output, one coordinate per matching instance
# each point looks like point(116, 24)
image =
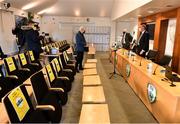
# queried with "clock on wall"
point(151, 92)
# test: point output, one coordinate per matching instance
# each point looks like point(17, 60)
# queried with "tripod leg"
point(112, 74)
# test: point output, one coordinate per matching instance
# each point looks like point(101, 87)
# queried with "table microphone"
point(154, 73)
point(140, 64)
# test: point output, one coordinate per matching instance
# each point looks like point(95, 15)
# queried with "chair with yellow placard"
point(14, 71)
point(20, 109)
point(44, 94)
point(25, 64)
point(67, 59)
point(66, 65)
point(6, 84)
point(57, 81)
point(63, 72)
point(33, 61)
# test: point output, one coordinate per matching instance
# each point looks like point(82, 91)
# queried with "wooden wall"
point(161, 21)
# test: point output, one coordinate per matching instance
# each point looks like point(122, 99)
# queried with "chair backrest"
point(60, 62)
point(50, 72)
point(31, 56)
point(152, 54)
point(165, 60)
point(23, 61)
point(18, 104)
point(63, 62)
point(1, 72)
point(11, 65)
point(66, 57)
point(39, 85)
point(57, 65)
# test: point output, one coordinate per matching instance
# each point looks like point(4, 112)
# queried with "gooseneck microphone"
point(154, 73)
point(140, 64)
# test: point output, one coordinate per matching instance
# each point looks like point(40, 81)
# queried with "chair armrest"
point(36, 64)
point(12, 76)
point(57, 89)
point(25, 69)
point(63, 78)
point(72, 60)
point(70, 65)
point(28, 85)
point(67, 70)
point(45, 107)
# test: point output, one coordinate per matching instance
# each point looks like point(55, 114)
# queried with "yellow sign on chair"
point(19, 103)
point(66, 56)
point(57, 64)
point(11, 64)
point(50, 73)
point(23, 59)
point(31, 55)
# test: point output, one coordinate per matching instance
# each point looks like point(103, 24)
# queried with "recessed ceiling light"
point(77, 13)
point(30, 6)
point(150, 11)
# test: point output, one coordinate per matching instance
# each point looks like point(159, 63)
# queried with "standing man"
point(32, 39)
point(126, 39)
point(80, 44)
point(143, 41)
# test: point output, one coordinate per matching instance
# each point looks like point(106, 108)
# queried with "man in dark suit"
point(80, 48)
point(143, 41)
point(126, 39)
point(32, 40)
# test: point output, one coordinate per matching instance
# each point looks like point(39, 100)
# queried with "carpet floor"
point(124, 105)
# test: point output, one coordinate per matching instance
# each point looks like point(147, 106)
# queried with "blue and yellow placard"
point(23, 59)
point(19, 103)
point(50, 72)
point(11, 64)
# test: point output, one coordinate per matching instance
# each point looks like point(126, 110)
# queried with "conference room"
point(89, 61)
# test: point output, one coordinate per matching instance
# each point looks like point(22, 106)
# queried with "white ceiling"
point(84, 8)
point(156, 6)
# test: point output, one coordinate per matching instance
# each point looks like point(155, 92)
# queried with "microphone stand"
point(114, 67)
point(172, 84)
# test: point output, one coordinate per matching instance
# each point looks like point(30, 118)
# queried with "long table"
point(162, 100)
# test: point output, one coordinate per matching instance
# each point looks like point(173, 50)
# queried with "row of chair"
point(20, 68)
point(61, 45)
point(165, 60)
point(49, 96)
point(16, 75)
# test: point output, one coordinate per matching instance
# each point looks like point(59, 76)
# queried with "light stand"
point(114, 72)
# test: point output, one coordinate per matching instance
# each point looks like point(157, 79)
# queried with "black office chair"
point(6, 84)
point(165, 60)
point(33, 61)
point(63, 72)
point(47, 95)
point(152, 55)
point(57, 81)
point(20, 109)
point(13, 70)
